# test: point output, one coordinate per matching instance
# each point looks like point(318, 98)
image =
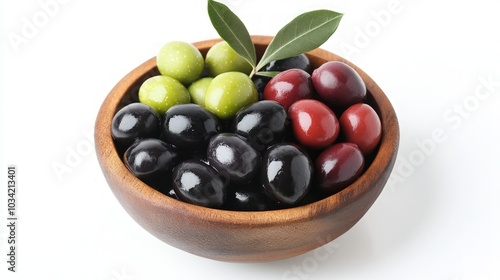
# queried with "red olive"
point(314, 124)
point(289, 86)
point(338, 84)
point(361, 125)
point(338, 166)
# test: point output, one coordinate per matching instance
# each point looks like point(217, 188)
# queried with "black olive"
point(249, 200)
point(262, 123)
point(150, 158)
point(286, 173)
point(300, 61)
point(198, 183)
point(189, 127)
point(234, 158)
point(260, 83)
point(135, 121)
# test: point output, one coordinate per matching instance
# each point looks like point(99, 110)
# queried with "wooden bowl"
point(239, 236)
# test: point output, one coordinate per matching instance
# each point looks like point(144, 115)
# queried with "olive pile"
point(206, 133)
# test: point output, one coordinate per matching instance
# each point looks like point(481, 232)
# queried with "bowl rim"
point(111, 162)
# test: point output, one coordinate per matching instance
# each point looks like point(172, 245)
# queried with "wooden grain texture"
point(243, 236)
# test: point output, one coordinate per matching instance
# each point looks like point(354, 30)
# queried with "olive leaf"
point(232, 30)
point(269, 74)
point(304, 33)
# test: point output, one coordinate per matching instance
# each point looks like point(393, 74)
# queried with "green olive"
point(198, 90)
point(222, 58)
point(163, 92)
point(181, 61)
point(228, 93)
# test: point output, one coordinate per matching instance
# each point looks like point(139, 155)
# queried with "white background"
point(437, 218)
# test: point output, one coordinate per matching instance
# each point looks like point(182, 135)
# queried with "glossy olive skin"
point(338, 166)
point(198, 183)
point(249, 199)
point(314, 124)
point(221, 58)
point(189, 127)
point(289, 86)
point(185, 70)
point(150, 158)
point(338, 84)
point(233, 157)
point(262, 123)
point(162, 92)
point(361, 125)
point(286, 173)
point(300, 61)
point(260, 83)
point(198, 89)
point(135, 121)
point(228, 92)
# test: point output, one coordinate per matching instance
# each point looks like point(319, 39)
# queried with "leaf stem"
point(254, 70)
